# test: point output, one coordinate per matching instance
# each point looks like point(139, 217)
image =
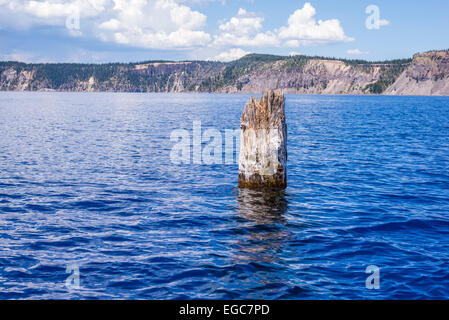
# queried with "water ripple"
point(86, 181)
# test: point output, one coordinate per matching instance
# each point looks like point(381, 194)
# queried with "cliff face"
point(425, 74)
point(147, 77)
point(316, 76)
point(428, 74)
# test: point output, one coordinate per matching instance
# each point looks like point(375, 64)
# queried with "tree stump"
point(263, 143)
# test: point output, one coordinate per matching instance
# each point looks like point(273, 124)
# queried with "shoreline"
point(224, 93)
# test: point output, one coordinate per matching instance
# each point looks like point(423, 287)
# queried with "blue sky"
point(137, 30)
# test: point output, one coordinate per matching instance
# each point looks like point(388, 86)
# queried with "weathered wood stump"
point(263, 142)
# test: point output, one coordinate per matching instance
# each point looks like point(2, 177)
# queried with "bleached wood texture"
point(263, 145)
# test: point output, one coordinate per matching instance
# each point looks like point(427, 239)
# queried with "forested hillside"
point(425, 74)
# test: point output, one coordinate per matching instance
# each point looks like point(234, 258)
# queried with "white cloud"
point(112, 24)
point(357, 52)
point(231, 55)
point(243, 30)
point(246, 30)
point(245, 23)
point(168, 24)
point(223, 2)
point(294, 53)
point(48, 9)
point(156, 24)
point(21, 14)
point(160, 24)
point(303, 29)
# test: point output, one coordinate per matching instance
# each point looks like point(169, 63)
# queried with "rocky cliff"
point(425, 74)
point(428, 74)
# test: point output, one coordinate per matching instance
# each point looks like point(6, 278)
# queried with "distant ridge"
point(425, 74)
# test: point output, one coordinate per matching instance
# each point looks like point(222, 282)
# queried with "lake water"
point(87, 185)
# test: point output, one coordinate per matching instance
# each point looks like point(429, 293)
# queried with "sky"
point(97, 31)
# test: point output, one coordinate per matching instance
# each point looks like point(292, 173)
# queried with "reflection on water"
point(263, 206)
point(261, 214)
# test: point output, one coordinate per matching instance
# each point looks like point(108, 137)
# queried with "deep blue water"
point(86, 180)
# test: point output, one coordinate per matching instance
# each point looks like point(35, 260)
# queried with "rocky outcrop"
point(428, 74)
point(425, 74)
point(146, 77)
point(316, 76)
point(263, 142)
point(17, 79)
